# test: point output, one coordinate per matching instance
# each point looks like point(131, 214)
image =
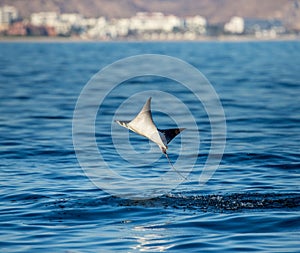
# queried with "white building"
point(97, 28)
point(89, 22)
point(8, 14)
point(196, 24)
point(44, 19)
point(62, 23)
point(171, 22)
point(156, 21)
point(122, 26)
point(236, 25)
point(73, 19)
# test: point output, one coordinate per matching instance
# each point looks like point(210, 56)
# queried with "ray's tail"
point(172, 166)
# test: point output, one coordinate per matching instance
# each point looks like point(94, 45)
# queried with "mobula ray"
point(143, 125)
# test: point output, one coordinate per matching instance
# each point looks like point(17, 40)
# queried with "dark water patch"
point(66, 208)
point(223, 203)
point(256, 157)
point(23, 197)
point(40, 207)
point(288, 83)
point(295, 166)
point(29, 153)
point(51, 117)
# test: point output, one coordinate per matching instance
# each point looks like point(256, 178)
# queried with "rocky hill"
point(216, 11)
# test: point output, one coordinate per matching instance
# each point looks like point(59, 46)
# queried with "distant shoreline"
point(223, 38)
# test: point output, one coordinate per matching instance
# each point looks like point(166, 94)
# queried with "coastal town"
point(141, 26)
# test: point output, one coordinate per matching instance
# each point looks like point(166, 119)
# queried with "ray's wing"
point(122, 123)
point(143, 125)
point(171, 133)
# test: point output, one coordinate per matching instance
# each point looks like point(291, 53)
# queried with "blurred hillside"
point(216, 11)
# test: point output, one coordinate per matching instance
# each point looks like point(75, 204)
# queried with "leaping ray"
point(143, 125)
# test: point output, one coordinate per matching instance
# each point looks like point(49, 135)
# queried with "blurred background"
point(150, 20)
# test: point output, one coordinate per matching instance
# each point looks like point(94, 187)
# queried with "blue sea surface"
point(251, 203)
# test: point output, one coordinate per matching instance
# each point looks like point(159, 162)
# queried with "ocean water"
point(250, 204)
